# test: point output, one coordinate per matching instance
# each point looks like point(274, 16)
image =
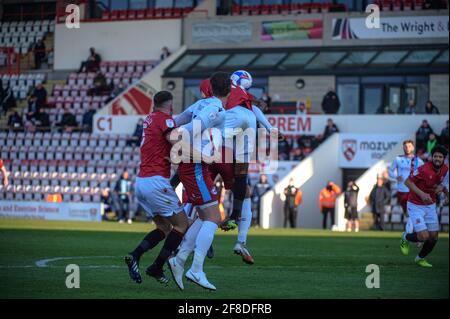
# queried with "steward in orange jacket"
point(327, 202)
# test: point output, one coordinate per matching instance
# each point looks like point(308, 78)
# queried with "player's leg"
point(202, 193)
point(150, 240)
point(419, 230)
point(243, 227)
point(324, 217)
point(180, 224)
point(187, 246)
point(294, 217)
point(210, 216)
point(432, 223)
point(144, 190)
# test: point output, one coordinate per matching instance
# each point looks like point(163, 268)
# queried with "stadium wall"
point(322, 165)
point(282, 88)
point(439, 91)
point(366, 182)
point(119, 40)
point(247, 31)
point(311, 175)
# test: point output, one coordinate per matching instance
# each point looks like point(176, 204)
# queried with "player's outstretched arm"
point(261, 118)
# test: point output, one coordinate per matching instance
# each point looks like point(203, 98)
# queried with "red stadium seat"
point(123, 14)
point(106, 15)
point(236, 10)
point(419, 4)
point(140, 14)
point(397, 5)
point(408, 4)
point(131, 14)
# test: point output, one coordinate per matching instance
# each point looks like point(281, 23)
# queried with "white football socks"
point(188, 243)
point(246, 220)
point(204, 240)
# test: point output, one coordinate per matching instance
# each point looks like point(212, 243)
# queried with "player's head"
point(205, 89)
point(438, 156)
point(163, 100)
point(220, 84)
point(242, 78)
point(408, 147)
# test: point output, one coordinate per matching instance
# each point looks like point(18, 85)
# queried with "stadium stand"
point(21, 84)
point(23, 34)
point(76, 165)
point(74, 94)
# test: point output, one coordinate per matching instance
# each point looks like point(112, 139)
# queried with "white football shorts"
point(157, 197)
point(423, 217)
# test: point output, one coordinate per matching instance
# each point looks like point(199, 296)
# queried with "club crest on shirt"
point(170, 123)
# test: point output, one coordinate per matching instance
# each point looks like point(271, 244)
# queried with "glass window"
point(268, 60)
point(138, 4)
point(325, 60)
point(297, 59)
point(210, 61)
point(185, 63)
point(239, 60)
point(389, 57)
point(119, 5)
point(272, 2)
point(164, 3)
point(442, 59)
point(349, 97)
point(184, 3)
point(421, 57)
point(251, 2)
point(358, 58)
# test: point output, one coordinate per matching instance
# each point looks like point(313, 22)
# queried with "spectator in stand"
point(422, 135)
point(351, 206)
point(136, 138)
point(293, 200)
point(68, 121)
point(39, 53)
point(37, 100)
point(444, 136)
point(307, 143)
point(298, 155)
point(15, 121)
point(327, 202)
point(116, 91)
point(379, 197)
point(431, 144)
point(385, 110)
point(8, 100)
point(301, 108)
point(4, 173)
point(409, 109)
point(92, 64)
point(123, 190)
point(258, 191)
point(88, 119)
point(430, 108)
point(165, 53)
point(284, 150)
point(330, 102)
point(100, 85)
point(42, 120)
point(330, 129)
point(108, 201)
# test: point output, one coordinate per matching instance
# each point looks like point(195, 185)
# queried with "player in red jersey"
point(154, 192)
point(425, 183)
point(4, 173)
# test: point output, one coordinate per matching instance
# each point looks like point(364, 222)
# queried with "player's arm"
point(392, 172)
point(426, 198)
point(184, 117)
point(261, 118)
point(5, 176)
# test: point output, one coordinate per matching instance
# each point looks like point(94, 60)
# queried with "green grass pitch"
point(288, 264)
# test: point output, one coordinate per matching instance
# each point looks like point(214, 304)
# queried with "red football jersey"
point(1, 163)
point(426, 178)
point(155, 148)
point(238, 96)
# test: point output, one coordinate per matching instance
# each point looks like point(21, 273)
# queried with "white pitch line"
point(42, 263)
